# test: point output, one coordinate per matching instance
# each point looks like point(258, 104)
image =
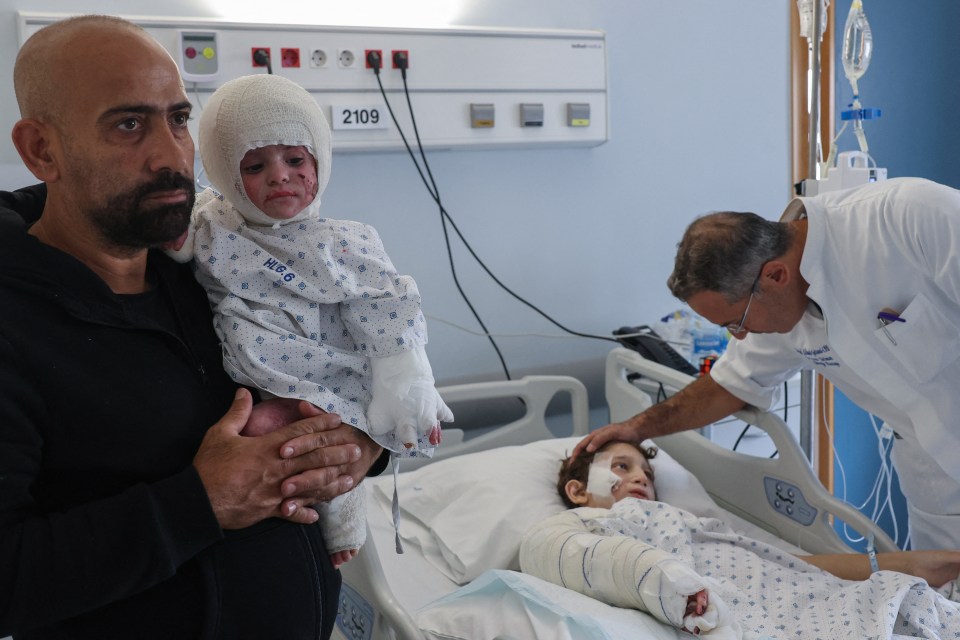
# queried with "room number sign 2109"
point(347, 116)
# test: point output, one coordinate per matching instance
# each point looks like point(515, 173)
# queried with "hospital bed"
point(462, 515)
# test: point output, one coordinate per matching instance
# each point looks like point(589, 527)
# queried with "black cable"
point(262, 56)
point(446, 215)
point(786, 400)
point(742, 433)
point(786, 409)
point(375, 63)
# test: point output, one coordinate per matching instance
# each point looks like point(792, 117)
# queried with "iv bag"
point(805, 8)
point(857, 44)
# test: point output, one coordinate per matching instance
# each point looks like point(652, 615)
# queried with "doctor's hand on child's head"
point(616, 432)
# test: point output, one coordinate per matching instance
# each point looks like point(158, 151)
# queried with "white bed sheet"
point(423, 576)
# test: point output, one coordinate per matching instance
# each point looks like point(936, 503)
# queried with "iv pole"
point(813, 173)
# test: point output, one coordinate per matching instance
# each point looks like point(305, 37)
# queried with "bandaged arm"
point(404, 396)
point(617, 570)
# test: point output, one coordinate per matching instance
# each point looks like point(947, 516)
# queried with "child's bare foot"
point(342, 557)
point(272, 414)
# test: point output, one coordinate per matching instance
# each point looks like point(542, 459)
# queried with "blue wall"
point(914, 79)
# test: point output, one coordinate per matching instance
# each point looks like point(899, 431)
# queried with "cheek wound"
point(601, 479)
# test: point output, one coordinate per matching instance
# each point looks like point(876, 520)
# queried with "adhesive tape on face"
point(601, 480)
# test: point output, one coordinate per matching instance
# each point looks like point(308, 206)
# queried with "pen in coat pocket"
point(886, 316)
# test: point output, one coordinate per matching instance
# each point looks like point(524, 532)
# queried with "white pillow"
point(468, 514)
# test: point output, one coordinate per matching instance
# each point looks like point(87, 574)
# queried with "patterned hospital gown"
point(301, 308)
point(770, 592)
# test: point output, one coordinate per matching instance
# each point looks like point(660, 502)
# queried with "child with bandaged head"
point(614, 472)
point(651, 579)
point(306, 307)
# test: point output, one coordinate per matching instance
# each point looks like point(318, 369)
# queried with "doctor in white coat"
point(861, 286)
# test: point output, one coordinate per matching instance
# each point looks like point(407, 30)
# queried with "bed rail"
point(536, 393)
point(743, 484)
point(364, 577)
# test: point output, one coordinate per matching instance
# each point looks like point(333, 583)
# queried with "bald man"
point(123, 512)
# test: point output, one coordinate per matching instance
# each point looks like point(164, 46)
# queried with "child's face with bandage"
point(281, 180)
point(619, 470)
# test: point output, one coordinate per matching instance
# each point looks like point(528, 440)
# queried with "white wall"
point(699, 121)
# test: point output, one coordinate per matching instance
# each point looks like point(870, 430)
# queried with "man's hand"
point(700, 403)
point(620, 431)
point(250, 479)
point(315, 485)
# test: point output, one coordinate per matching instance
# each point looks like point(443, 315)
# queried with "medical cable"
point(551, 336)
point(373, 58)
point(887, 472)
point(786, 415)
point(262, 57)
point(884, 479)
point(843, 484)
point(481, 334)
point(445, 215)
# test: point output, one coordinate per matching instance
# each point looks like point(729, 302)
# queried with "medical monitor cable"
point(843, 484)
point(374, 60)
point(786, 413)
point(445, 215)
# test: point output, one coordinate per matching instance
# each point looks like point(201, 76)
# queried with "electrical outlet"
point(346, 58)
point(289, 57)
point(259, 56)
point(366, 57)
point(398, 55)
point(318, 58)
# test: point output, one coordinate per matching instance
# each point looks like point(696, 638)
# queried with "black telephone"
point(651, 346)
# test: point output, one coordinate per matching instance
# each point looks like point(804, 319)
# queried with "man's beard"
point(125, 222)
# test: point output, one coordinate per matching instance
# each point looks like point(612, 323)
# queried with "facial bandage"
point(601, 479)
point(258, 111)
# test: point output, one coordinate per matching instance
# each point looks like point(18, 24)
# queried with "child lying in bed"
point(627, 550)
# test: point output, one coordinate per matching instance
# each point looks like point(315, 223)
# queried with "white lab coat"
point(890, 245)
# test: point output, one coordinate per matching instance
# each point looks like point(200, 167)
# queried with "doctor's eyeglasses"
point(738, 328)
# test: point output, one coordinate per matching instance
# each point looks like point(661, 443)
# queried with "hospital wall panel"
point(697, 119)
point(558, 76)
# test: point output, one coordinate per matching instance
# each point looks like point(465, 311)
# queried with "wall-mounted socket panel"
point(448, 70)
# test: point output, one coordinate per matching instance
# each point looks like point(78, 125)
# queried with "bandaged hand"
point(181, 249)
point(405, 398)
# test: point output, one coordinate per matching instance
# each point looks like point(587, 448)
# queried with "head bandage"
point(601, 479)
point(259, 111)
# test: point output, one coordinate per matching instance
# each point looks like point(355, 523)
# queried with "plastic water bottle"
point(709, 342)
